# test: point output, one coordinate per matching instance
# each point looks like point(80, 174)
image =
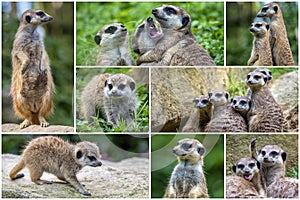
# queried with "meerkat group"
point(270, 45)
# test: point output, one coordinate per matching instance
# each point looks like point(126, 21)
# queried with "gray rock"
point(36, 128)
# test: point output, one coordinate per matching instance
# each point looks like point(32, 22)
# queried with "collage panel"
point(262, 33)
point(150, 33)
point(112, 100)
point(187, 166)
point(262, 165)
point(37, 66)
point(224, 100)
point(107, 166)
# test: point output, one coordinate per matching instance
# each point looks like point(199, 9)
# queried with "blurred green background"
point(84, 75)
point(239, 40)
point(163, 162)
point(207, 24)
point(112, 147)
point(59, 44)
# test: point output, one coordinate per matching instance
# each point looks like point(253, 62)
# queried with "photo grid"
point(150, 99)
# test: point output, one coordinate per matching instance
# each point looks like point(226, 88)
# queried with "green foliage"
point(293, 172)
point(141, 120)
point(208, 27)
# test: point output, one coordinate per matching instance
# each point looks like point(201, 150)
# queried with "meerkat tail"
point(252, 148)
point(14, 172)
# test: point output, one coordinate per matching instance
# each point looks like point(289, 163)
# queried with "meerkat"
point(261, 51)
point(280, 47)
point(112, 40)
point(188, 179)
point(241, 105)
point(272, 161)
point(249, 169)
point(69, 159)
point(265, 115)
point(178, 46)
point(114, 95)
point(200, 115)
point(267, 73)
point(238, 187)
point(32, 86)
point(224, 118)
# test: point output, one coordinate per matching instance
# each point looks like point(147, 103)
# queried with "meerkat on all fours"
point(265, 115)
point(224, 118)
point(261, 51)
point(114, 95)
point(32, 86)
point(188, 179)
point(69, 159)
point(280, 47)
point(200, 115)
point(113, 46)
point(178, 44)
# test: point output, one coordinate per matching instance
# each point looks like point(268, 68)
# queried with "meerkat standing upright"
point(279, 42)
point(32, 86)
point(188, 179)
point(261, 51)
point(54, 155)
point(114, 95)
point(113, 46)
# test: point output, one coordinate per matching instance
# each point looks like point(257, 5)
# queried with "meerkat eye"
point(264, 9)
point(110, 86)
point(92, 158)
point(234, 101)
point(111, 29)
point(170, 11)
point(263, 153)
point(251, 165)
point(186, 146)
point(122, 26)
point(274, 153)
point(204, 101)
point(40, 13)
point(219, 95)
point(121, 87)
point(248, 77)
point(258, 25)
point(256, 77)
point(240, 166)
point(242, 102)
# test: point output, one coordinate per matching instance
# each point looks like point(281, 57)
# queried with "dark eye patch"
point(170, 11)
point(219, 95)
point(121, 87)
point(110, 86)
point(251, 165)
point(205, 101)
point(264, 9)
point(263, 153)
point(234, 101)
point(242, 102)
point(40, 13)
point(256, 77)
point(92, 158)
point(186, 146)
point(111, 29)
point(248, 77)
point(274, 153)
point(241, 166)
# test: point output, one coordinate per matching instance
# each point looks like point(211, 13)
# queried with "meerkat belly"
point(186, 180)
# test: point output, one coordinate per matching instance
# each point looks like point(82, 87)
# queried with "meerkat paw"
point(43, 122)
point(41, 182)
point(25, 124)
point(85, 193)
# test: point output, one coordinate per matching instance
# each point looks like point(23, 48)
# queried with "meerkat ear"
point(283, 155)
point(234, 168)
point(28, 19)
point(97, 39)
point(132, 85)
point(79, 154)
point(201, 150)
point(185, 21)
point(267, 26)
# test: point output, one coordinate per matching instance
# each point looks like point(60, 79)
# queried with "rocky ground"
point(36, 128)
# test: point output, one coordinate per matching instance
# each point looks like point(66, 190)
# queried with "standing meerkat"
point(261, 51)
point(241, 105)
point(188, 179)
point(114, 95)
point(265, 114)
point(178, 46)
point(113, 46)
point(249, 169)
point(55, 156)
point(280, 47)
point(264, 71)
point(200, 115)
point(224, 118)
point(32, 86)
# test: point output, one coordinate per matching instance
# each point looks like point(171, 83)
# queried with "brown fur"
point(238, 187)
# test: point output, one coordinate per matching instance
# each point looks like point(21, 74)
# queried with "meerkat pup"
point(224, 118)
point(280, 47)
point(114, 95)
point(188, 179)
point(55, 156)
point(32, 86)
point(241, 105)
point(200, 115)
point(265, 114)
point(249, 169)
point(178, 46)
point(113, 46)
point(261, 51)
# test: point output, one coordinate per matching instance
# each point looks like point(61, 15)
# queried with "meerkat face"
point(35, 17)
point(271, 155)
point(87, 154)
point(172, 17)
point(256, 79)
point(201, 102)
point(240, 104)
point(189, 150)
point(146, 36)
point(268, 10)
point(111, 34)
point(218, 97)
point(246, 168)
point(266, 72)
point(119, 86)
point(259, 29)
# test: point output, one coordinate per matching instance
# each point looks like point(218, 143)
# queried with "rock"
point(173, 90)
point(126, 179)
point(36, 128)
